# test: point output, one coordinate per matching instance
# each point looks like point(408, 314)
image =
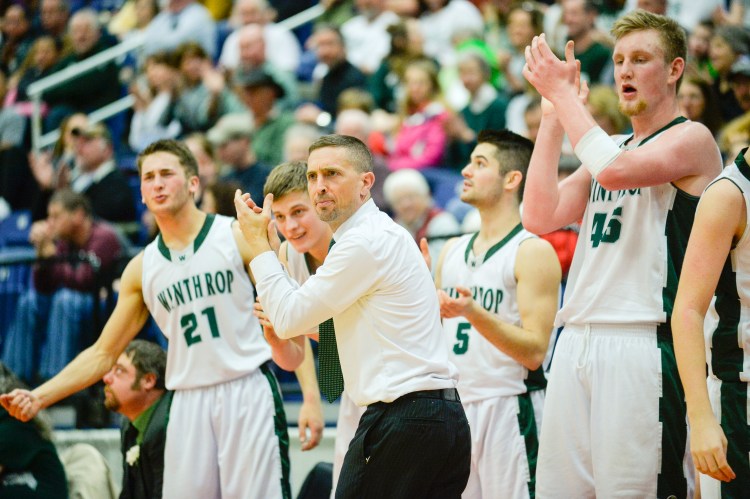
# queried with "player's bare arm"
point(538, 275)
point(550, 204)
point(310, 421)
point(719, 222)
point(441, 258)
point(128, 317)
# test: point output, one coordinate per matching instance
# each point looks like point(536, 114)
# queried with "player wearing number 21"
point(614, 419)
point(193, 279)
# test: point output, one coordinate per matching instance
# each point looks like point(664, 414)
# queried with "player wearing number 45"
point(498, 291)
point(227, 434)
point(614, 422)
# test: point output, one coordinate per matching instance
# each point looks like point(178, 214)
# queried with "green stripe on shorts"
point(734, 422)
point(527, 428)
point(280, 428)
point(672, 414)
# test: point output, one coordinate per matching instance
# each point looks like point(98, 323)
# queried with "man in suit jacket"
point(135, 388)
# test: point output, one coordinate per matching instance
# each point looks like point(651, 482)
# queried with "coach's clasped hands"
point(255, 222)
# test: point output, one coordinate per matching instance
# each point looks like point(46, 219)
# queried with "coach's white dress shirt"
point(376, 286)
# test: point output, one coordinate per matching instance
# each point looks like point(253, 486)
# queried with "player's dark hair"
point(512, 151)
point(175, 148)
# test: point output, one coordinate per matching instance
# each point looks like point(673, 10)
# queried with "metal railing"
point(36, 89)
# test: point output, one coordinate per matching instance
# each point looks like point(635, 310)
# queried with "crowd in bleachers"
point(415, 79)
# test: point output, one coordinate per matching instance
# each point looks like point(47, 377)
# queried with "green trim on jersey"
point(742, 165)
point(530, 433)
point(676, 121)
point(495, 247)
point(166, 252)
point(727, 356)
point(280, 428)
point(203, 232)
point(678, 225)
point(672, 413)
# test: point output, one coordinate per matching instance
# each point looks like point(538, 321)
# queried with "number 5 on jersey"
point(462, 337)
point(604, 230)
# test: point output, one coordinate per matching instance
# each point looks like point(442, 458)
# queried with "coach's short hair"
point(285, 178)
point(356, 150)
point(175, 148)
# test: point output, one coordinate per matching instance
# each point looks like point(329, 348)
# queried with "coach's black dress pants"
point(416, 446)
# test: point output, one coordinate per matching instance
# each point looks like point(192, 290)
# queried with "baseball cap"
point(93, 131)
point(231, 126)
point(258, 78)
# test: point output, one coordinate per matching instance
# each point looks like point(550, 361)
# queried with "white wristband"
point(597, 150)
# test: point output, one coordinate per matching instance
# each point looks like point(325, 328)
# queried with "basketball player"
point(498, 292)
point(614, 423)
point(303, 251)
point(718, 261)
point(227, 433)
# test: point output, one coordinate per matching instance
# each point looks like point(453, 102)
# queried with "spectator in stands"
point(204, 97)
point(203, 152)
point(29, 464)
point(43, 56)
point(485, 110)
point(53, 320)
point(525, 21)
point(155, 94)
point(441, 20)
point(97, 177)
point(698, 61)
point(406, 46)
point(281, 47)
point(12, 126)
point(366, 35)
point(340, 73)
point(17, 38)
point(90, 90)
point(297, 141)
point(736, 134)
point(728, 44)
point(421, 139)
point(252, 57)
point(408, 194)
point(53, 16)
point(52, 169)
point(218, 197)
point(232, 138)
point(698, 103)
point(133, 18)
point(180, 22)
point(260, 92)
point(579, 16)
point(134, 387)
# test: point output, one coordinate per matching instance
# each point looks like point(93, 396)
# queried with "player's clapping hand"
point(455, 307)
point(553, 78)
point(254, 221)
point(708, 445)
point(21, 404)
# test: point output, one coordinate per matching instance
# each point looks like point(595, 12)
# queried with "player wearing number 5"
point(614, 422)
point(498, 291)
point(226, 435)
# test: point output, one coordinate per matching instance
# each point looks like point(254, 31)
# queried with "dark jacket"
point(145, 478)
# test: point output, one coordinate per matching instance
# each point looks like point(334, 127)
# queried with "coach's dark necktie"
point(330, 379)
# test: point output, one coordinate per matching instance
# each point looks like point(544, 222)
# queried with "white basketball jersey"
point(202, 299)
point(629, 252)
point(729, 341)
point(485, 371)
